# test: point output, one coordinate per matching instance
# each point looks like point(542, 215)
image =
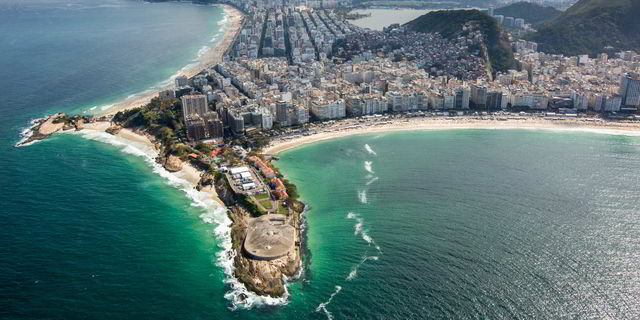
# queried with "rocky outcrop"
point(79, 124)
point(173, 164)
point(43, 128)
point(206, 181)
point(114, 129)
point(51, 125)
point(224, 193)
point(265, 278)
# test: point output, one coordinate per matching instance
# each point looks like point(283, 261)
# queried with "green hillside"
point(530, 12)
point(449, 24)
point(590, 26)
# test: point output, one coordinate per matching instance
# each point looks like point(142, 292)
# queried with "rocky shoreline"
point(57, 122)
point(263, 277)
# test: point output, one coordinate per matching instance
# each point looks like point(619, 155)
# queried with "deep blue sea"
point(459, 224)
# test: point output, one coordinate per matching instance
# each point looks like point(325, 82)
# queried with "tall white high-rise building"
point(630, 89)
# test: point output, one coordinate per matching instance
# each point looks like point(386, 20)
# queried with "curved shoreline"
point(208, 59)
point(345, 128)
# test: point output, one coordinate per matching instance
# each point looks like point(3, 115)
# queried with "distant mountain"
point(590, 26)
point(449, 24)
point(530, 12)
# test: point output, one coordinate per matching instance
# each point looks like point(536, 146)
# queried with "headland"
point(264, 87)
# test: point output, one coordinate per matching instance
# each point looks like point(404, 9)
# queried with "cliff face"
point(173, 164)
point(265, 278)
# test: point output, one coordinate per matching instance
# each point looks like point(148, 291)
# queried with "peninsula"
point(287, 75)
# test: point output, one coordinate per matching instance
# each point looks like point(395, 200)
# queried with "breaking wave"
point(203, 50)
point(368, 166)
point(362, 196)
point(354, 270)
point(106, 107)
point(359, 229)
point(323, 306)
point(27, 132)
point(374, 179)
point(214, 213)
point(368, 148)
point(224, 20)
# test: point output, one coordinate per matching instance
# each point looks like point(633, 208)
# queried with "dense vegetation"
point(163, 119)
point(420, 4)
point(449, 24)
point(530, 12)
point(592, 27)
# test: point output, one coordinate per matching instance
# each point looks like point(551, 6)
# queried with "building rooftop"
point(269, 237)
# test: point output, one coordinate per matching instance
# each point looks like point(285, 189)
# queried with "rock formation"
point(173, 164)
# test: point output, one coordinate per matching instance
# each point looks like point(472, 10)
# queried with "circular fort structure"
point(269, 237)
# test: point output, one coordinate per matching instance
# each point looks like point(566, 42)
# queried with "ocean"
point(412, 225)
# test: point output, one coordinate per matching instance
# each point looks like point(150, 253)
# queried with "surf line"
point(368, 148)
point(238, 295)
point(323, 306)
point(359, 229)
point(368, 166)
point(362, 196)
point(354, 270)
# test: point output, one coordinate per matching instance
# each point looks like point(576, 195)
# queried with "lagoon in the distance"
point(380, 18)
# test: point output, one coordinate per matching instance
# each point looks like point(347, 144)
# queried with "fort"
point(269, 237)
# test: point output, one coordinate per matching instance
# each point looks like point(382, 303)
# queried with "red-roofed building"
point(258, 163)
point(217, 151)
point(280, 190)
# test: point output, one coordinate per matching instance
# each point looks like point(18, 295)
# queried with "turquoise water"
point(474, 224)
point(448, 224)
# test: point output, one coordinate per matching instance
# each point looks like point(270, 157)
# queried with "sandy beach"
point(351, 127)
point(207, 60)
point(188, 172)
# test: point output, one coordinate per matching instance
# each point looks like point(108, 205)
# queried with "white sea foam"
point(203, 50)
point(367, 166)
point(368, 148)
point(615, 132)
point(323, 306)
point(105, 107)
point(360, 230)
point(224, 20)
point(195, 62)
point(93, 108)
point(354, 270)
point(362, 196)
point(214, 213)
point(27, 132)
point(374, 179)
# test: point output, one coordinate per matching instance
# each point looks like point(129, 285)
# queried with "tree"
point(203, 147)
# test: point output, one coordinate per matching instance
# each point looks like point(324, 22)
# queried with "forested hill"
point(591, 27)
point(449, 24)
point(530, 12)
